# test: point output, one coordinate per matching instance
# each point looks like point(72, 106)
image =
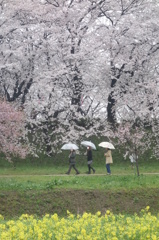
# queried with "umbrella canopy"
point(106, 145)
point(88, 144)
point(69, 146)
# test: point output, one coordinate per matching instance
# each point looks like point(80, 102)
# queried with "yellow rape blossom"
point(86, 227)
point(1, 217)
point(147, 208)
point(107, 212)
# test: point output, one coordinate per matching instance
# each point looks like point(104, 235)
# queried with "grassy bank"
point(41, 202)
point(40, 186)
point(90, 193)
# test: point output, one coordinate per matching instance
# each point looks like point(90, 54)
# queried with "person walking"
point(90, 160)
point(109, 160)
point(72, 162)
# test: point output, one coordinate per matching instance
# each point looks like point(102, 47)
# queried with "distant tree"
point(133, 137)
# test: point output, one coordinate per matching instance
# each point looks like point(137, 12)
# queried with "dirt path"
point(65, 175)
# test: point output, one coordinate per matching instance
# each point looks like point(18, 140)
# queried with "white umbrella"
point(88, 144)
point(106, 145)
point(69, 146)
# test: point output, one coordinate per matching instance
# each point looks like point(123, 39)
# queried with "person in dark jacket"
point(72, 162)
point(90, 160)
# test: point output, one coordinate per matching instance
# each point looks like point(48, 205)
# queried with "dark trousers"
point(89, 168)
point(72, 165)
point(108, 168)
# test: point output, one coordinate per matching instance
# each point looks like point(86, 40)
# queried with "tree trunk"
point(77, 90)
point(111, 117)
point(137, 166)
point(110, 109)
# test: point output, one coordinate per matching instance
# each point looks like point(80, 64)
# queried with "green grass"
point(122, 167)
point(39, 186)
point(115, 182)
point(50, 172)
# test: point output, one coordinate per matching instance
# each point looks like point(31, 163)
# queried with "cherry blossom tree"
point(133, 137)
point(74, 65)
point(131, 43)
point(60, 41)
point(12, 128)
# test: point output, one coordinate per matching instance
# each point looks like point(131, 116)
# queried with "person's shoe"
point(108, 173)
point(77, 173)
point(94, 171)
point(67, 173)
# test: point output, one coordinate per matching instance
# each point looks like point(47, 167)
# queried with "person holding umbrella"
point(108, 146)
point(109, 160)
point(90, 160)
point(72, 162)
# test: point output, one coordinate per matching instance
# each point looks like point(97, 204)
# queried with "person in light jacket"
point(109, 160)
point(72, 162)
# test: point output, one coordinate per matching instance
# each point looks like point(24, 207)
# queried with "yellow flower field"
point(112, 227)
